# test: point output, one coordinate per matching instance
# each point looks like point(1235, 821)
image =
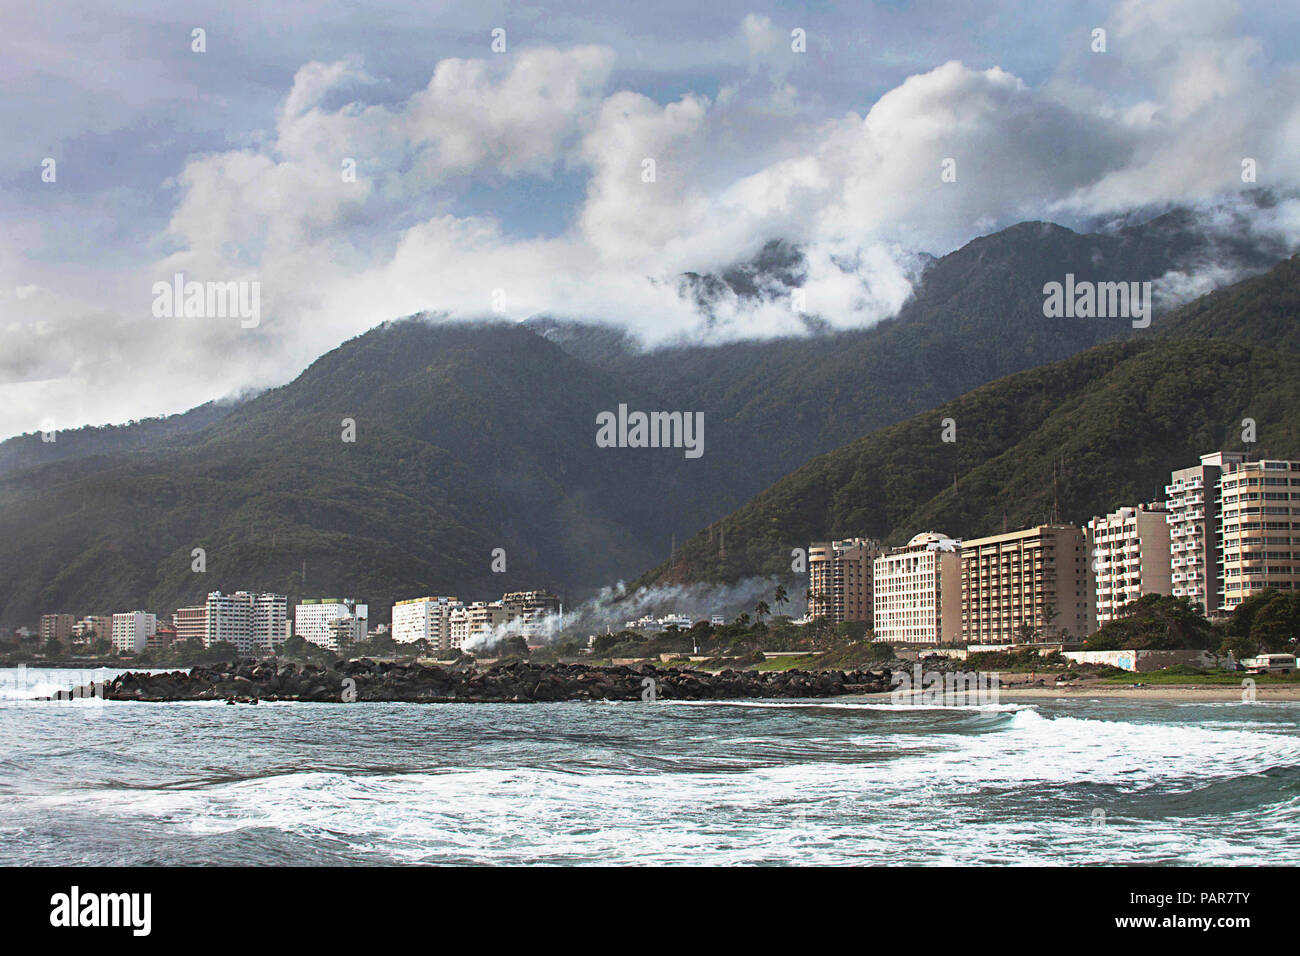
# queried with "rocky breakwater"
point(248, 681)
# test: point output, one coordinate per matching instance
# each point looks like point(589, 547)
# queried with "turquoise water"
point(845, 781)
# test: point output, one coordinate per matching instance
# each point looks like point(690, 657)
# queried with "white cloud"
point(1184, 96)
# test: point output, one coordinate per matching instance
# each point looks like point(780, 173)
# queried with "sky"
point(355, 163)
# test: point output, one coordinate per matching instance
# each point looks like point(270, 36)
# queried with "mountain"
point(477, 437)
point(1077, 438)
point(467, 439)
point(976, 316)
point(28, 451)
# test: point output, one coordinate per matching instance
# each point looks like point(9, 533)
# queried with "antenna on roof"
point(1056, 502)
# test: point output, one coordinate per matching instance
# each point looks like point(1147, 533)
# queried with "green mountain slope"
point(977, 316)
point(468, 439)
point(1084, 436)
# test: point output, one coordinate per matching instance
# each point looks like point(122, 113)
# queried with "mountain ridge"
point(473, 437)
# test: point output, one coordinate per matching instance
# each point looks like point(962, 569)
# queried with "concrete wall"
point(1142, 661)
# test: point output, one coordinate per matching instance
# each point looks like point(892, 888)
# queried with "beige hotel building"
point(1258, 529)
point(840, 579)
point(1037, 578)
point(1130, 556)
point(917, 597)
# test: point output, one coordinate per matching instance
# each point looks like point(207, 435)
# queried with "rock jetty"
point(248, 681)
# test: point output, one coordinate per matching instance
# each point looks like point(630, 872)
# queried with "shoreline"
point(248, 681)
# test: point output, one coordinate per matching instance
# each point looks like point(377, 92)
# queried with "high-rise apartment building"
point(132, 630)
point(191, 623)
point(57, 627)
point(535, 612)
point(1034, 584)
point(1130, 555)
point(314, 620)
point(254, 623)
point(917, 591)
point(840, 579)
point(270, 613)
point(1192, 499)
point(478, 618)
point(425, 618)
point(1258, 529)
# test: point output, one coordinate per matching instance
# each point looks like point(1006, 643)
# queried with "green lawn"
point(787, 662)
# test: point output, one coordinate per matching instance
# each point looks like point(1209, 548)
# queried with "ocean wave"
point(835, 704)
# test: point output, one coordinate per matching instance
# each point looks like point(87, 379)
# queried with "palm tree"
point(761, 610)
point(780, 597)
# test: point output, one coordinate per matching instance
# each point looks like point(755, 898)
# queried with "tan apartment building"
point(917, 591)
point(1035, 584)
point(191, 623)
point(480, 617)
point(1129, 549)
point(92, 628)
point(840, 576)
point(57, 627)
point(1258, 529)
point(537, 611)
point(1192, 499)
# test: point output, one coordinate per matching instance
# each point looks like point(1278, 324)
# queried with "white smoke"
point(614, 606)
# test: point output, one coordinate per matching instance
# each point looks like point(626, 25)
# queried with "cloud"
point(632, 187)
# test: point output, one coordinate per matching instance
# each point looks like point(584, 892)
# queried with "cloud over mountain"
point(560, 178)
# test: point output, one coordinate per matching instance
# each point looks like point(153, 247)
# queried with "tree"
point(1278, 622)
point(761, 610)
point(513, 646)
point(604, 642)
point(1155, 622)
point(780, 597)
point(1267, 621)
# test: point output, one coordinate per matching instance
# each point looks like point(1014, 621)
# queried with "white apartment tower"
point(917, 591)
point(254, 623)
point(1192, 499)
point(132, 630)
point(315, 620)
point(425, 618)
point(1130, 556)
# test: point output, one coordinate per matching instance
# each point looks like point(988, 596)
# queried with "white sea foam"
point(923, 799)
point(839, 704)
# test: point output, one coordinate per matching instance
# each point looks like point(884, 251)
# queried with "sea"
point(843, 781)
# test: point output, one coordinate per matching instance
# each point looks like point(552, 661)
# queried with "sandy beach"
point(1178, 692)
